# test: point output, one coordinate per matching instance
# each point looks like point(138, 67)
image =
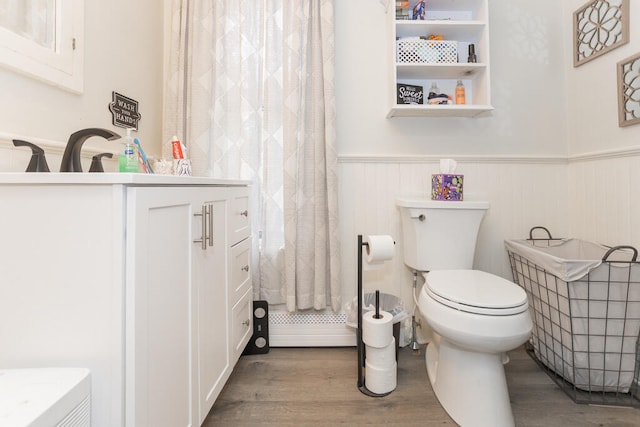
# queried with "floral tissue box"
point(446, 187)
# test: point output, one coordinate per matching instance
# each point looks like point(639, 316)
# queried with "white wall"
point(592, 101)
point(516, 158)
point(604, 167)
point(123, 53)
point(527, 87)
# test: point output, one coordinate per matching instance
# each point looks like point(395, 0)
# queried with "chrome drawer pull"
point(245, 268)
point(210, 225)
point(245, 213)
point(203, 238)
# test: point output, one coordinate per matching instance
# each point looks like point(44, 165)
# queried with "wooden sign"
point(124, 111)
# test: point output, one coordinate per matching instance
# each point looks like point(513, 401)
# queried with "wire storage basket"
point(585, 306)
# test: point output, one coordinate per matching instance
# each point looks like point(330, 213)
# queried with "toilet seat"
point(475, 292)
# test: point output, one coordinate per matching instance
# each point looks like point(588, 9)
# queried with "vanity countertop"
point(127, 179)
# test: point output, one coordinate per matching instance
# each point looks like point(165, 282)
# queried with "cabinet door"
point(210, 272)
point(160, 315)
point(61, 289)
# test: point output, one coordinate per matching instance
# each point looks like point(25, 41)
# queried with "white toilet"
point(475, 317)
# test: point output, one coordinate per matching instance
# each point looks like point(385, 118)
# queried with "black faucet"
point(38, 162)
point(71, 156)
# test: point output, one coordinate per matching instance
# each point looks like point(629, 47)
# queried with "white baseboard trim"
point(310, 330)
point(311, 336)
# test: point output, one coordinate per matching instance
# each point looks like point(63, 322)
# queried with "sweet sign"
point(124, 111)
point(410, 94)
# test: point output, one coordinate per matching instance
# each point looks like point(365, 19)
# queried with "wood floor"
point(318, 387)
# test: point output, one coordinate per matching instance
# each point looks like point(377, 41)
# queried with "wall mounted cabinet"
point(463, 21)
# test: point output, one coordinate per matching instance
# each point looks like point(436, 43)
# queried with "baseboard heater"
point(313, 329)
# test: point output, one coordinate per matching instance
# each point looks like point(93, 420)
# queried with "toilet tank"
point(438, 235)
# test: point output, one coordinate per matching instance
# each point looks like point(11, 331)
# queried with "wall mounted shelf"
point(463, 21)
point(414, 110)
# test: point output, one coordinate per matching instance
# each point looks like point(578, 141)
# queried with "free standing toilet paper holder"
point(361, 362)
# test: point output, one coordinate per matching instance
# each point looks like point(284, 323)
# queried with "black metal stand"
point(361, 385)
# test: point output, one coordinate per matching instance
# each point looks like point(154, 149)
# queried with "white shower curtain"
point(250, 90)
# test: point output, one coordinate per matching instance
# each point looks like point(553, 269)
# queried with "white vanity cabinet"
point(113, 275)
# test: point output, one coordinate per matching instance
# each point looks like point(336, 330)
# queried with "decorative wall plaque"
point(598, 27)
point(410, 94)
point(629, 91)
point(124, 111)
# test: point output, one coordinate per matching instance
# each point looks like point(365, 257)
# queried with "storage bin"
point(416, 50)
point(585, 306)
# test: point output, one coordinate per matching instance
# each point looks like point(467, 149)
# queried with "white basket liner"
point(570, 260)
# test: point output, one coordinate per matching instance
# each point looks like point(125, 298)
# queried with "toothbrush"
point(142, 163)
point(146, 164)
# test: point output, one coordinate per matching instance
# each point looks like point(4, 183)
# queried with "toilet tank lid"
point(426, 202)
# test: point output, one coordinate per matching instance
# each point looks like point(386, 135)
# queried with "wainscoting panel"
point(604, 199)
point(523, 192)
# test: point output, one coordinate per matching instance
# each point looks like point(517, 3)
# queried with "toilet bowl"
point(475, 318)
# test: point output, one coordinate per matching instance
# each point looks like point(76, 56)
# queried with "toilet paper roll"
point(379, 248)
point(381, 357)
point(377, 332)
point(380, 380)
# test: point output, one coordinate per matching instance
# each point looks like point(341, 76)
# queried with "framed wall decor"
point(629, 91)
point(599, 26)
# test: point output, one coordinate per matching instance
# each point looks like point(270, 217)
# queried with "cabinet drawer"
point(240, 270)
point(241, 325)
point(239, 221)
